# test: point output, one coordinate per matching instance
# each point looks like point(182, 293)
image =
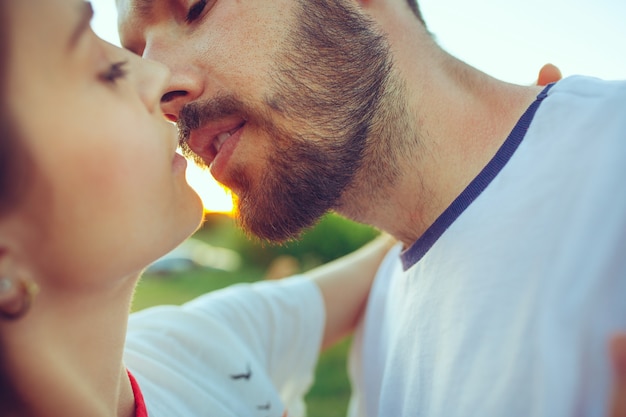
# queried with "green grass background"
point(331, 238)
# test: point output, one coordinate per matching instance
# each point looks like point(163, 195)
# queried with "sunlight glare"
point(215, 197)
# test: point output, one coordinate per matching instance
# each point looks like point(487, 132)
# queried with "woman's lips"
point(179, 163)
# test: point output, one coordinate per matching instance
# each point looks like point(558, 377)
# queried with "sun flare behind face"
point(215, 197)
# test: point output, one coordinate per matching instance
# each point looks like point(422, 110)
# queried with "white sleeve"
point(183, 354)
point(282, 321)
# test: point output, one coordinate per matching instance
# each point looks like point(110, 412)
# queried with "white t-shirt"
point(246, 351)
point(508, 301)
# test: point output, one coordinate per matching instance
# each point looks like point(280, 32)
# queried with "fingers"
point(618, 361)
point(549, 73)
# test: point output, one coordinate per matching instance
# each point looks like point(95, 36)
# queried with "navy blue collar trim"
point(414, 253)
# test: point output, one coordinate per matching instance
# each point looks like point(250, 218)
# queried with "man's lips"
point(207, 140)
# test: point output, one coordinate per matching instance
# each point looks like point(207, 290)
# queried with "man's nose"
point(185, 84)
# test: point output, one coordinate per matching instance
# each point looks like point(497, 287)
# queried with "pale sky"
point(509, 40)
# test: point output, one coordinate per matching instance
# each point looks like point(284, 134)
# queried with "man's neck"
point(459, 118)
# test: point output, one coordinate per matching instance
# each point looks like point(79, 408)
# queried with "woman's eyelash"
point(114, 72)
point(195, 10)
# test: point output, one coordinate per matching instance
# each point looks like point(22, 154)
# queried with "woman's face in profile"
point(109, 188)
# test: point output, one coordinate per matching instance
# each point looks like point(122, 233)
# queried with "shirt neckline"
point(421, 246)
point(140, 404)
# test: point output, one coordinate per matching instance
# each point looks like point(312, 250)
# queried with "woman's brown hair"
point(12, 156)
point(11, 159)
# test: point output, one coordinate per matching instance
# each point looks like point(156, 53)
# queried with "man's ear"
point(549, 73)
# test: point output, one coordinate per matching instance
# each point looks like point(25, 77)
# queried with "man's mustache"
point(196, 114)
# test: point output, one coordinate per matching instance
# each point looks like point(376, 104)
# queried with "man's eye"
point(196, 10)
point(114, 72)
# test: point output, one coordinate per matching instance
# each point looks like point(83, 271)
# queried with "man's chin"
point(267, 232)
point(269, 224)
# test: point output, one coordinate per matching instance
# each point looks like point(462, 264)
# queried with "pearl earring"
point(27, 291)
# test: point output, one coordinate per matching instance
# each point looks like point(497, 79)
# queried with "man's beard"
point(330, 81)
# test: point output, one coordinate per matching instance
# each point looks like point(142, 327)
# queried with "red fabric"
point(140, 404)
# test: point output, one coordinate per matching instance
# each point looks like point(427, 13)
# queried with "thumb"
point(618, 361)
point(549, 73)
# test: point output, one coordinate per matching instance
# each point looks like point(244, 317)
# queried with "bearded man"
point(507, 200)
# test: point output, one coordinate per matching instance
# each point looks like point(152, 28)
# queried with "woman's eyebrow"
point(86, 14)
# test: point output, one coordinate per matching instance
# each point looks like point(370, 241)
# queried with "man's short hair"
point(416, 10)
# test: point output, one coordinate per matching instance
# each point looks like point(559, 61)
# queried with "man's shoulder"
point(585, 87)
point(576, 104)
